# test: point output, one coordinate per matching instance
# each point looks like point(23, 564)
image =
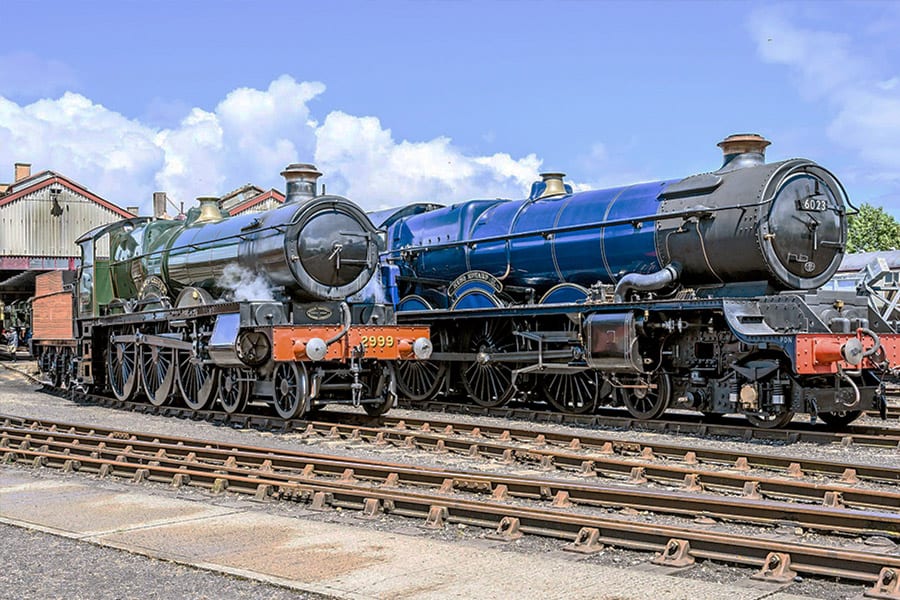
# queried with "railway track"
point(736, 470)
point(674, 423)
point(737, 428)
point(585, 513)
point(680, 423)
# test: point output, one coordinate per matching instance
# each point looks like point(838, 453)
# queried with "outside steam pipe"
point(647, 283)
point(345, 314)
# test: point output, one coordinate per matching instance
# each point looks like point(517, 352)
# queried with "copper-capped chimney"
point(743, 150)
point(209, 210)
point(554, 185)
point(301, 181)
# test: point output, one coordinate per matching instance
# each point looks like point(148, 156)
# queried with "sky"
point(401, 102)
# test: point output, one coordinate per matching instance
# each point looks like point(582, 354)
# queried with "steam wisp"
point(242, 284)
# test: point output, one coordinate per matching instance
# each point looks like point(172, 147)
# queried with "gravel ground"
point(40, 565)
point(18, 397)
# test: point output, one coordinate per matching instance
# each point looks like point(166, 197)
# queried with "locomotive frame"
point(151, 316)
point(696, 293)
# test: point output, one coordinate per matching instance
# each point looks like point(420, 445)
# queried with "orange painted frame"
point(289, 342)
point(808, 343)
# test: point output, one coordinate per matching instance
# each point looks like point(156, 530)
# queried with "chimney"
point(301, 182)
point(554, 185)
point(209, 210)
point(743, 150)
point(133, 210)
point(159, 205)
point(23, 171)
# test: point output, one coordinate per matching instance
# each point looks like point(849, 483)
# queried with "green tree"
point(873, 229)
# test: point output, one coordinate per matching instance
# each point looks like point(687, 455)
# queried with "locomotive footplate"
point(380, 342)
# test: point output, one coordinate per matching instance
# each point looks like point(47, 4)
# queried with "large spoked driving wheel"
point(121, 363)
point(646, 397)
point(421, 380)
point(196, 381)
point(487, 380)
point(574, 393)
point(291, 390)
point(770, 420)
point(234, 390)
point(157, 373)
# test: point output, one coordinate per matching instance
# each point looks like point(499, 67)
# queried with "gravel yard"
point(41, 565)
point(157, 579)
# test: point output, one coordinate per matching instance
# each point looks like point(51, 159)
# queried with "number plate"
point(378, 341)
point(813, 203)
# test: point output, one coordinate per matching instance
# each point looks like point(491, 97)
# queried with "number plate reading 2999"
point(813, 203)
point(378, 341)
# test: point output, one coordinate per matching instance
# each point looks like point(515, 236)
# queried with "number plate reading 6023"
point(378, 341)
point(813, 203)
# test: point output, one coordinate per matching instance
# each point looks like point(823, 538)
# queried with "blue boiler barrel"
point(744, 228)
point(537, 242)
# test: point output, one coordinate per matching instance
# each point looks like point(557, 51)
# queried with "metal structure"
point(876, 274)
point(697, 293)
point(41, 216)
point(279, 308)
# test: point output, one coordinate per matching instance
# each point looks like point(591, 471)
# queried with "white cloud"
point(110, 154)
point(830, 68)
point(372, 168)
point(248, 137)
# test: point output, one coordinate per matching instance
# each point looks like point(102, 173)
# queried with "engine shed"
point(250, 199)
point(41, 216)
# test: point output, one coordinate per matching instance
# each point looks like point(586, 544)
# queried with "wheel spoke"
point(196, 381)
point(157, 373)
point(120, 362)
point(234, 390)
point(290, 383)
point(488, 381)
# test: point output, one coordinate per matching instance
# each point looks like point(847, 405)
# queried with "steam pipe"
point(647, 283)
point(876, 347)
point(345, 314)
point(846, 377)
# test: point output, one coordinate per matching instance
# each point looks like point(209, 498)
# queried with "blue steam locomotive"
point(699, 293)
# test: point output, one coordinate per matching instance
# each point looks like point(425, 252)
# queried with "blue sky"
point(443, 101)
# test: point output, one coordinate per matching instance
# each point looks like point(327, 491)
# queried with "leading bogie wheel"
point(770, 420)
point(234, 390)
point(291, 392)
point(646, 397)
point(379, 386)
point(840, 418)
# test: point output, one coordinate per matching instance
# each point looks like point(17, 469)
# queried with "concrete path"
point(328, 558)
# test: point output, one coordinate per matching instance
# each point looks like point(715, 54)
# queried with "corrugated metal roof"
point(31, 224)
